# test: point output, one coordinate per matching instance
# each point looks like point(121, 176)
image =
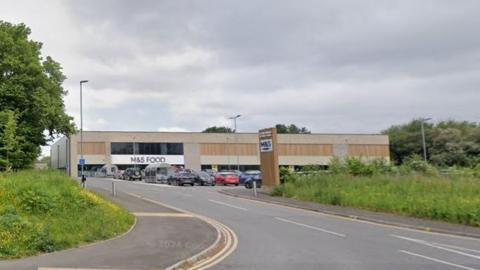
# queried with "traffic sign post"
point(83, 179)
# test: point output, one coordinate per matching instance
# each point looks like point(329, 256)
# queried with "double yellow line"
point(225, 243)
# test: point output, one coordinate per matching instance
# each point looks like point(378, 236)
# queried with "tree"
point(291, 129)
point(406, 139)
point(448, 143)
point(11, 156)
point(216, 129)
point(31, 88)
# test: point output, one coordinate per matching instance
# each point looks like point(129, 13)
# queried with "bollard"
point(114, 191)
point(254, 188)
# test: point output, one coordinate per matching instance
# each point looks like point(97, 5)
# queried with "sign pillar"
point(269, 157)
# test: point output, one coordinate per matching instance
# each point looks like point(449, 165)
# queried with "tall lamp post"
point(134, 154)
point(81, 126)
point(422, 122)
point(234, 118)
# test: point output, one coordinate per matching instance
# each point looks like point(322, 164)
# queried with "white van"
point(158, 173)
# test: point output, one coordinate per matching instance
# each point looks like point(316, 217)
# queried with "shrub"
point(284, 173)
point(381, 166)
point(311, 168)
point(355, 166)
point(336, 166)
point(415, 163)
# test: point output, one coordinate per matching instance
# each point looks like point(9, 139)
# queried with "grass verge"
point(453, 199)
point(45, 211)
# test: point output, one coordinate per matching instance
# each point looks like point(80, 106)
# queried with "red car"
point(227, 178)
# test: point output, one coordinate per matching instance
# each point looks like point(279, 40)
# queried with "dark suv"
point(182, 178)
point(204, 179)
point(132, 174)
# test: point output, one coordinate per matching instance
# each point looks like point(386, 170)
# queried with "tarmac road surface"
point(277, 237)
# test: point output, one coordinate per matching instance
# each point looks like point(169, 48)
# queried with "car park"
point(182, 178)
point(248, 175)
point(227, 178)
point(132, 174)
point(204, 179)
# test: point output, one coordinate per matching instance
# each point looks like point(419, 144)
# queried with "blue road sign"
point(81, 161)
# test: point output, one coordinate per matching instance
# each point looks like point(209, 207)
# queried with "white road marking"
point(144, 184)
point(63, 268)
point(390, 226)
point(457, 247)
point(150, 214)
point(423, 242)
point(310, 227)
point(229, 205)
point(436, 260)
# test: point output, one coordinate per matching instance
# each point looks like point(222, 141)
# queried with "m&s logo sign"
point(266, 145)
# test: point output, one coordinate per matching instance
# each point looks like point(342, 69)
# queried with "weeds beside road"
point(44, 211)
point(454, 198)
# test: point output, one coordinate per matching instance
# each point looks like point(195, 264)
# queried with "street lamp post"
point(134, 155)
point(81, 126)
point(234, 118)
point(422, 122)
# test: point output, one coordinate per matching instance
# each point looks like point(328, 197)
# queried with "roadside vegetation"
point(45, 211)
point(414, 188)
point(449, 143)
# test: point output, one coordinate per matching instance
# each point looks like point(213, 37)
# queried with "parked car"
point(118, 174)
point(107, 171)
point(247, 175)
point(132, 174)
point(210, 172)
point(204, 179)
point(237, 172)
point(254, 179)
point(182, 178)
point(226, 178)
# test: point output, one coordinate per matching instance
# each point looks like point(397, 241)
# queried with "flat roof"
point(199, 132)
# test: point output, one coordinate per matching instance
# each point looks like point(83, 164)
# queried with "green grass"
point(44, 211)
point(454, 199)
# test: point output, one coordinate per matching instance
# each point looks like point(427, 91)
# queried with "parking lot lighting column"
point(234, 118)
point(134, 156)
point(81, 125)
point(422, 122)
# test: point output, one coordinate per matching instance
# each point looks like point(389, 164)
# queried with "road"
point(276, 237)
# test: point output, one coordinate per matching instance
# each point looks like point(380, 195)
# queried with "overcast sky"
point(332, 66)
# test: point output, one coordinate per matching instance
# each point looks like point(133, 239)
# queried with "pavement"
point(365, 215)
point(160, 238)
point(272, 236)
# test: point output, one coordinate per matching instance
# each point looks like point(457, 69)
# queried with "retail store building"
point(195, 150)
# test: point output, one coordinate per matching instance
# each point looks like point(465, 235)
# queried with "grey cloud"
point(335, 66)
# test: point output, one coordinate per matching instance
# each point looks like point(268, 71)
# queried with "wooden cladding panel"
point(368, 150)
point(305, 150)
point(92, 148)
point(223, 149)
